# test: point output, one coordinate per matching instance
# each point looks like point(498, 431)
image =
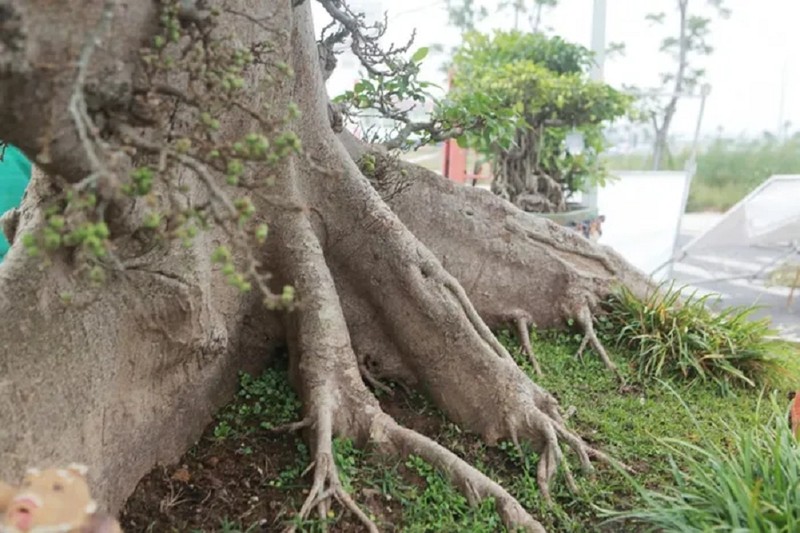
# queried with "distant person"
point(15, 173)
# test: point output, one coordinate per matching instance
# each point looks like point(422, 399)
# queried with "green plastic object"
point(15, 173)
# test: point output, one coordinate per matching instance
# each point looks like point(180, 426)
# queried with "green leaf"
point(420, 54)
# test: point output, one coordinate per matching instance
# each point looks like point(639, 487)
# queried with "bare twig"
point(435, 131)
point(77, 105)
point(200, 168)
point(224, 219)
point(364, 45)
point(326, 48)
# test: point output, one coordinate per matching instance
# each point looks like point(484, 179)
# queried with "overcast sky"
point(757, 50)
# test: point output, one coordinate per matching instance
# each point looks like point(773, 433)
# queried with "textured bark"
point(40, 47)
point(129, 374)
point(399, 276)
point(494, 249)
point(96, 380)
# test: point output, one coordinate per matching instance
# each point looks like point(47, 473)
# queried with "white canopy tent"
point(644, 211)
point(767, 219)
point(768, 216)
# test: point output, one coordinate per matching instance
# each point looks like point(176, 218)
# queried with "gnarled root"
point(473, 484)
point(372, 381)
point(584, 319)
point(326, 485)
point(429, 335)
point(373, 289)
point(394, 438)
point(509, 263)
point(328, 375)
point(524, 334)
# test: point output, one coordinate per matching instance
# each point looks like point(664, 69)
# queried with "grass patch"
point(704, 197)
point(243, 479)
point(749, 483)
point(261, 403)
point(629, 425)
point(667, 335)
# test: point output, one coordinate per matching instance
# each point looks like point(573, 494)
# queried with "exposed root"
point(549, 460)
point(584, 452)
point(600, 456)
point(475, 485)
point(584, 318)
point(564, 247)
point(372, 380)
point(523, 331)
point(326, 485)
point(571, 485)
point(438, 333)
point(448, 349)
point(544, 475)
point(472, 314)
point(292, 427)
point(580, 448)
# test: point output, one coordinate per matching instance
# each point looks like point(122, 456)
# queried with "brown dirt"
point(215, 479)
point(229, 479)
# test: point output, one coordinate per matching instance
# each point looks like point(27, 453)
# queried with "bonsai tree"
point(523, 94)
point(195, 204)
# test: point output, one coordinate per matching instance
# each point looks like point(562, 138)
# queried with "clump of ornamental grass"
point(667, 335)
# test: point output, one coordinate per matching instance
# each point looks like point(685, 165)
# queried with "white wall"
point(642, 211)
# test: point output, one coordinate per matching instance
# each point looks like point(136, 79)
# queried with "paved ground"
point(704, 271)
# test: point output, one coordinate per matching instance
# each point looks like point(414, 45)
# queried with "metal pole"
point(599, 38)
point(691, 168)
point(599, 49)
point(782, 102)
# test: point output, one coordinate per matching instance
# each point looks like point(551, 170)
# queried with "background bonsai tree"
point(521, 95)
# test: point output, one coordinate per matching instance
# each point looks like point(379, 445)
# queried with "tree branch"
point(364, 46)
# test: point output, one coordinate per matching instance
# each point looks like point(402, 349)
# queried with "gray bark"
point(398, 276)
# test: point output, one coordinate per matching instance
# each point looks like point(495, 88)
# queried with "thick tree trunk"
point(92, 374)
point(399, 276)
point(510, 263)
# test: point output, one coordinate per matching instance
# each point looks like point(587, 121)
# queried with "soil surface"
point(240, 477)
point(251, 480)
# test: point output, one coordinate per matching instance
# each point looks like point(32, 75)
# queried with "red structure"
point(454, 164)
